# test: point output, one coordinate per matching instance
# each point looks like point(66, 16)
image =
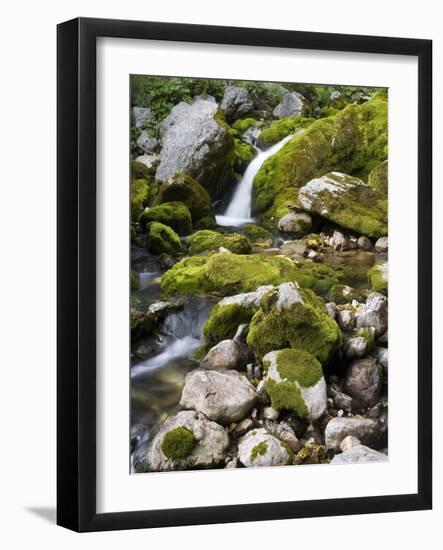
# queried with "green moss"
point(348, 142)
point(211, 241)
point(296, 365)
point(256, 233)
point(377, 279)
point(187, 190)
point(259, 450)
point(161, 239)
point(174, 214)
point(285, 395)
point(207, 222)
point(282, 128)
point(143, 192)
point(242, 124)
point(226, 274)
point(378, 178)
point(135, 283)
point(328, 111)
point(139, 171)
point(243, 154)
point(225, 320)
point(141, 324)
point(342, 294)
point(304, 326)
point(178, 443)
point(368, 335)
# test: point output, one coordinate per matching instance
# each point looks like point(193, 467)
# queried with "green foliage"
point(225, 320)
point(282, 128)
point(304, 326)
point(161, 239)
point(187, 190)
point(210, 241)
point(258, 450)
point(178, 443)
point(174, 214)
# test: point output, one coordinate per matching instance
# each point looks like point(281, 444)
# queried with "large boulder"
point(210, 241)
point(173, 214)
point(367, 430)
point(363, 382)
point(162, 239)
point(226, 274)
point(236, 102)
point(292, 317)
point(360, 454)
point(292, 104)
point(347, 201)
point(260, 448)
point(294, 381)
point(222, 396)
point(374, 313)
point(196, 141)
point(351, 141)
point(187, 440)
point(298, 223)
point(187, 190)
point(143, 117)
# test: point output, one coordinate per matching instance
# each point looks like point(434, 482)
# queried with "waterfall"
point(239, 210)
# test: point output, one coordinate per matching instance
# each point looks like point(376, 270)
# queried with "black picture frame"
point(76, 280)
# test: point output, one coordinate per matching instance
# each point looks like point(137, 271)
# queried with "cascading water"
point(239, 210)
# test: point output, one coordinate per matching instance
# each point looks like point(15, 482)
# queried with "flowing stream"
point(239, 209)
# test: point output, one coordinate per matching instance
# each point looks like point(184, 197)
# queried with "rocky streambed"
point(259, 297)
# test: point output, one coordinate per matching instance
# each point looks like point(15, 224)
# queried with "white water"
point(239, 210)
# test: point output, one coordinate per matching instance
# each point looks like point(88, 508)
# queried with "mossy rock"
point(184, 189)
point(348, 202)
point(353, 141)
point(378, 178)
point(304, 324)
point(225, 320)
point(173, 214)
point(282, 128)
point(178, 443)
point(256, 233)
point(139, 171)
point(161, 239)
point(210, 241)
point(143, 193)
point(294, 382)
point(141, 324)
point(343, 294)
point(243, 154)
point(226, 274)
point(378, 277)
point(243, 124)
point(207, 222)
point(135, 283)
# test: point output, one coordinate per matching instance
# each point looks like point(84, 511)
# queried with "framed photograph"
point(229, 201)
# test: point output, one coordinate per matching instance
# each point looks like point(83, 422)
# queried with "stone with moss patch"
point(294, 381)
point(178, 443)
point(174, 214)
point(378, 277)
point(261, 448)
point(296, 318)
point(243, 124)
point(161, 239)
point(184, 189)
point(210, 241)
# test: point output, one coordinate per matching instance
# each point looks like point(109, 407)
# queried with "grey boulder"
point(295, 223)
point(368, 431)
point(236, 102)
point(260, 448)
point(292, 104)
point(147, 144)
point(374, 313)
point(229, 354)
point(364, 382)
point(143, 117)
point(359, 454)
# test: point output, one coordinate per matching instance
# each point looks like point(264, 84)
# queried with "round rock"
point(260, 448)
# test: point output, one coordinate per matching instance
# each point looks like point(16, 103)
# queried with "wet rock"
point(342, 401)
point(374, 313)
point(204, 447)
point(349, 442)
point(382, 357)
point(294, 248)
point(193, 143)
point(259, 448)
point(359, 455)
point(331, 308)
point(291, 440)
point(143, 117)
point(223, 396)
point(300, 223)
point(368, 431)
point(364, 381)
point(345, 319)
point(292, 104)
point(236, 102)
point(338, 241)
point(378, 277)
point(381, 245)
point(364, 243)
point(356, 346)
